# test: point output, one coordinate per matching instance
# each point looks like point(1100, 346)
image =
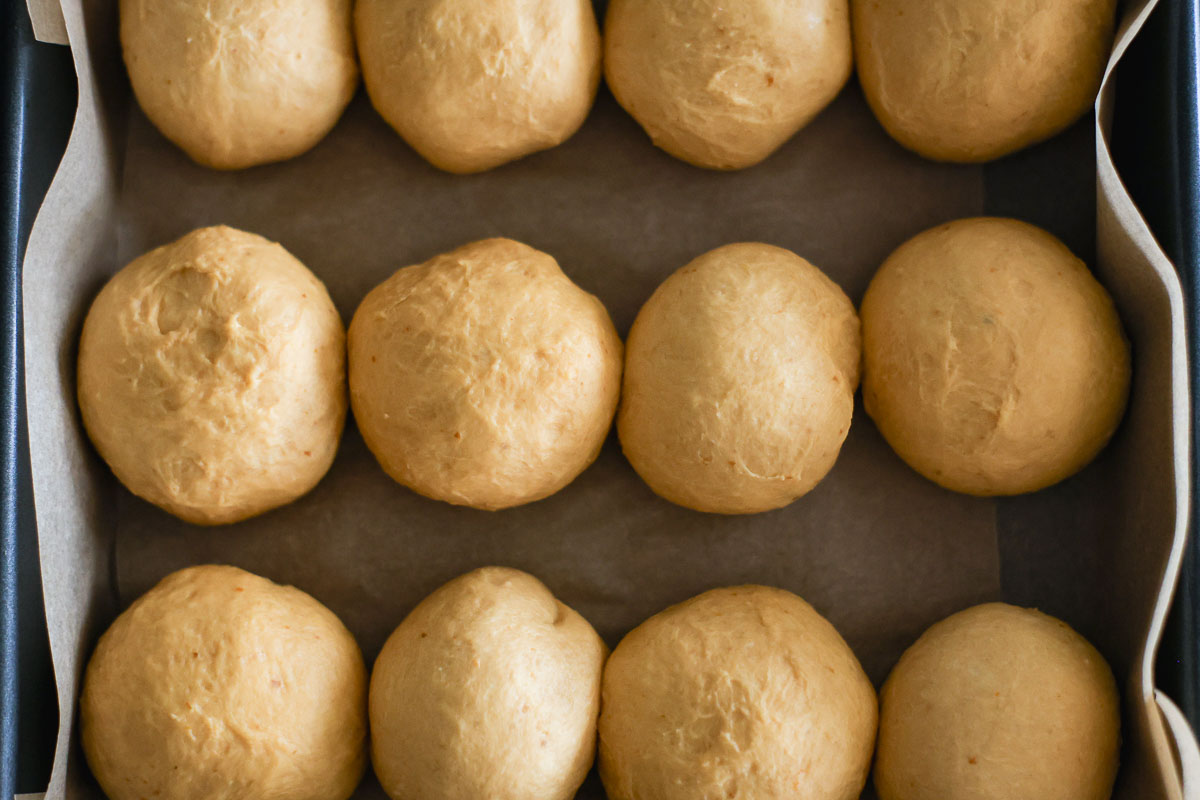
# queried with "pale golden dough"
point(740, 374)
point(723, 84)
point(973, 80)
point(490, 688)
point(472, 84)
point(240, 82)
point(220, 685)
point(743, 692)
point(212, 376)
point(998, 703)
point(484, 377)
point(994, 363)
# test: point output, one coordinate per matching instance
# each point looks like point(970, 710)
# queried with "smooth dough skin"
point(723, 84)
point(998, 703)
point(973, 80)
point(236, 83)
point(740, 374)
point(490, 688)
point(221, 685)
point(484, 377)
point(212, 376)
point(744, 692)
point(994, 363)
point(473, 84)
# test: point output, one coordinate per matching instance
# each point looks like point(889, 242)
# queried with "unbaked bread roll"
point(240, 82)
point(723, 84)
point(741, 692)
point(973, 80)
point(490, 688)
point(221, 685)
point(484, 377)
point(212, 376)
point(998, 703)
point(740, 374)
point(994, 363)
point(473, 84)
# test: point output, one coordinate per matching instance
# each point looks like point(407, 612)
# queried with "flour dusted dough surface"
point(998, 703)
point(724, 84)
point(740, 375)
point(240, 82)
point(973, 80)
point(744, 692)
point(490, 688)
point(212, 376)
point(473, 84)
point(994, 363)
point(221, 685)
point(484, 377)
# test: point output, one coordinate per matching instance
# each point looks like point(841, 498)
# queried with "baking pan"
point(37, 102)
point(1156, 143)
point(1173, 23)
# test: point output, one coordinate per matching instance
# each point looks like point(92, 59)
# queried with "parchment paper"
point(619, 216)
point(879, 550)
point(882, 552)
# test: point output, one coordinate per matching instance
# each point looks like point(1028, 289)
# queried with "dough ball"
point(490, 688)
point(973, 80)
point(240, 82)
point(741, 692)
point(473, 84)
point(994, 363)
point(212, 376)
point(484, 377)
point(218, 684)
point(998, 703)
point(739, 380)
point(724, 84)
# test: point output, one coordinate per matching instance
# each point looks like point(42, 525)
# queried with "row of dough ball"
point(212, 374)
point(468, 84)
point(220, 684)
point(476, 83)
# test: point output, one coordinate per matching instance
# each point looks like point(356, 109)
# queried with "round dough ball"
point(740, 692)
point(218, 684)
point(973, 80)
point(739, 380)
point(994, 363)
point(240, 82)
point(212, 376)
point(998, 703)
point(474, 84)
point(723, 85)
point(484, 377)
point(490, 688)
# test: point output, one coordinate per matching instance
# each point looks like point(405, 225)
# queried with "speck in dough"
point(221, 685)
point(236, 83)
point(473, 84)
point(998, 703)
point(745, 692)
point(994, 363)
point(973, 80)
point(724, 84)
point(212, 376)
point(740, 375)
point(490, 688)
point(484, 377)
